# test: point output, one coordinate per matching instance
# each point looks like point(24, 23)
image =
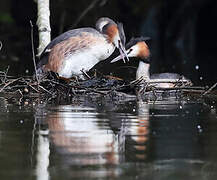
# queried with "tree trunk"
point(43, 23)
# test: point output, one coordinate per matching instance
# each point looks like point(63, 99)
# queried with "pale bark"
point(0, 45)
point(43, 23)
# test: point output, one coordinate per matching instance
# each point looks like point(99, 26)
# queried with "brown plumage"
point(80, 49)
point(67, 47)
point(144, 52)
point(111, 32)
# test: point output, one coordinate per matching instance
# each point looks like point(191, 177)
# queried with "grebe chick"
point(138, 48)
point(80, 49)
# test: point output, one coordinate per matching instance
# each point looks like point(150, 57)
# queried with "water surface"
point(98, 138)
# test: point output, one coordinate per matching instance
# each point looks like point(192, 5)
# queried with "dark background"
point(183, 33)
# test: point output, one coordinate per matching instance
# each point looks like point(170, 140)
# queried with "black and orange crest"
point(110, 30)
point(134, 41)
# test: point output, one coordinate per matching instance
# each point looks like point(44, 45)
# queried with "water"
point(98, 138)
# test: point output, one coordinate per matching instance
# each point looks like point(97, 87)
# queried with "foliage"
point(6, 18)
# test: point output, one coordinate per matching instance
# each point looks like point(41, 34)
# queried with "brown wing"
point(70, 46)
point(61, 38)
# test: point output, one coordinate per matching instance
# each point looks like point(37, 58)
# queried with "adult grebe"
point(80, 49)
point(138, 48)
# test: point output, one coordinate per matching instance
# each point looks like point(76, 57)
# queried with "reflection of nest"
point(52, 87)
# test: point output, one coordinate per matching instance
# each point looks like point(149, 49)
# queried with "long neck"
point(143, 71)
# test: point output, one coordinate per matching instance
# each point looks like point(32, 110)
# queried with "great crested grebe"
point(80, 49)
point(138, 48)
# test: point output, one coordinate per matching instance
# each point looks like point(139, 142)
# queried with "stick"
point(167, 81)
point(45, 89)
point(210, 89)
point(91, 6)
point(137, 81)
point(33, 88)
point(5, 75)
point(99, 92)
point(179, 88)
point(9, 84)
point(85, 74)
point(33, 52)
point(143, 89)
point(0, 45)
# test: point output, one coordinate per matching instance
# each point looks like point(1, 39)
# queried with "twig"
point(33, 52)
point(137, 81)
point(103, 2)
point(178, 88)
point(28, 84)
point(154, 93)
point(0, 45)
point(210, 89)
point(5, 77)
point(167, 81)
point(85, 74)
point(95, 91)
point(18, 86)
point(44, 90)
point(20, 93)
point(143, 89)
point(9, 84)
point(33, 139)
point(91, 6)
point(33, 88)
point(123, 86)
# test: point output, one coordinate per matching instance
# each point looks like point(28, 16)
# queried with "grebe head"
point(101, 22)
point(137, 47)
point(115, 34)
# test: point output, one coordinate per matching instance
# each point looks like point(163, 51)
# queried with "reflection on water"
point(43, 152)
point(109, 139)
point(78, 132)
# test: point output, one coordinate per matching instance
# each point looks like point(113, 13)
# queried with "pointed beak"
point(117, 59)
point(123, 53)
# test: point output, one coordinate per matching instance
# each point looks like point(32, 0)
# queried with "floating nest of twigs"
point(52, 87)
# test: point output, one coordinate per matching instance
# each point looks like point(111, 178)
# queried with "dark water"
point(108, 139)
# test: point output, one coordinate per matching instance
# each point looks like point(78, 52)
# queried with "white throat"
point(143, 71)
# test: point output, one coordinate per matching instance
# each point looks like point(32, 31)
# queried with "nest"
point(52, 87)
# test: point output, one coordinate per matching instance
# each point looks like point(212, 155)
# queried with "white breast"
point(143, 71)
point(85, 59)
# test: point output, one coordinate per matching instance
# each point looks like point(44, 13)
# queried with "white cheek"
point(134, 52)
